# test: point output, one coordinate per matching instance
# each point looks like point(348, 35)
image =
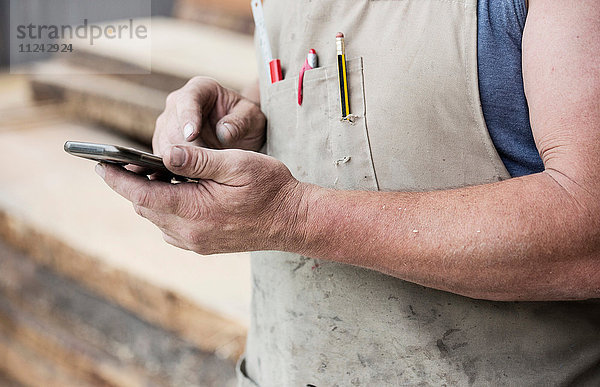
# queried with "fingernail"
point(229, 135)
point(188, 130)
point(177, 157)
point(100, 170)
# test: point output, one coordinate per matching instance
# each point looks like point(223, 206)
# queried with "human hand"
point(204, 113)
point(244, 201)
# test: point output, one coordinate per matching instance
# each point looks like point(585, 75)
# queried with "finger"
point(174, 242)
point(189, 116)
point(197, 98)
point(159, 219)
point(142, 171)
point(138, 189)
point(222, 166)
point(169, 133)
point(244, 120)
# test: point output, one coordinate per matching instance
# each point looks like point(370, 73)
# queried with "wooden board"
point(232, 14)
point(98, 84)
point(53, 332)
point(55, 208)
point(233, 7)
point(179, 49)
point(127, 107)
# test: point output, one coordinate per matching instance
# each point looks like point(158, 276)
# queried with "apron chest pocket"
point(312, 140)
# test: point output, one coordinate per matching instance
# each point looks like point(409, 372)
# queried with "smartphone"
point(120, 155)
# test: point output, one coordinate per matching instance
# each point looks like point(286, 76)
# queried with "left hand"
point(244, 201)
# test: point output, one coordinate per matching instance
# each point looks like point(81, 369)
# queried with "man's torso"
point(417, 125)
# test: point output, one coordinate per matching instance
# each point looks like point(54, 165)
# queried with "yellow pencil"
point(342, 74)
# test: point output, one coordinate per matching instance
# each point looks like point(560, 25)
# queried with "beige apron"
point(412, 70)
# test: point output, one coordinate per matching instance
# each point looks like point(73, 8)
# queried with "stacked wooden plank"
point(55, 332)
point(89, 292)
point(96, 84)
point(231, 14)
point(57, 211)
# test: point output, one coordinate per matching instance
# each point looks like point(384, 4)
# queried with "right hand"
point(204, 113)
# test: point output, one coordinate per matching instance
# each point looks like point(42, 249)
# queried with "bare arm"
point(530, 238)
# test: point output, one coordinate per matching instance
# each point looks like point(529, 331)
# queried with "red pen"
point(275, 68)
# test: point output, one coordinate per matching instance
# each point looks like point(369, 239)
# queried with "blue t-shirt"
point(500, 26)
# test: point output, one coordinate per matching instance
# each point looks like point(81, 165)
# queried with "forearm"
point(529, 238)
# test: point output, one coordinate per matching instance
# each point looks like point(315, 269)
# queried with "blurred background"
point(89, 292)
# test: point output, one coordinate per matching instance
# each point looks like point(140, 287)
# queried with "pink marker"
point(309, 64)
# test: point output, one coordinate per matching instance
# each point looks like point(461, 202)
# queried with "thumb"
point(244, 120)
point(201, 163)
